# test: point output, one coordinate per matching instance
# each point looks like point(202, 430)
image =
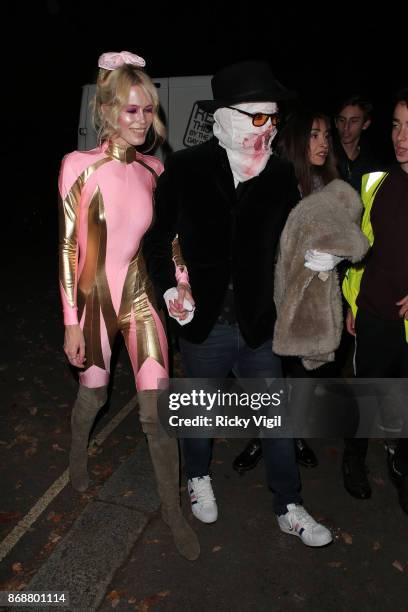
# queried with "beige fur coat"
point(309, 305)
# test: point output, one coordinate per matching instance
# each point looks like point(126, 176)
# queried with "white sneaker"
point(203, 504)
point(298, 522)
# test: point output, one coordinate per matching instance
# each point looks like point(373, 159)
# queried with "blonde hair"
point(112, 93)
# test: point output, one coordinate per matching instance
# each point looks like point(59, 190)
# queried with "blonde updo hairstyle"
point(112, 94)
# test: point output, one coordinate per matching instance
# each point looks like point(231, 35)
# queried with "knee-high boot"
point(84, 411)
point(165, 458)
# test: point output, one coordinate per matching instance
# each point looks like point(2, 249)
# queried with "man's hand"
point(350, 323)
point(74, 345)
point(403, 311)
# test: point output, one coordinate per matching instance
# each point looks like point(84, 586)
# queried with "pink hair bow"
point(113, 60)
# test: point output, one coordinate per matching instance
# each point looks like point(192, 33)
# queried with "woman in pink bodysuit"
point(106, 207)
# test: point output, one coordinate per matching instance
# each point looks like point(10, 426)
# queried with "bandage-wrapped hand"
point(321, 262)
point(179, 305)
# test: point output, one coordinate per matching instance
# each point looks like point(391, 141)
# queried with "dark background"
point(322, 53)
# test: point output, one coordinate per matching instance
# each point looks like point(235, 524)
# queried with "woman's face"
point(135, 118)
point(318, 143)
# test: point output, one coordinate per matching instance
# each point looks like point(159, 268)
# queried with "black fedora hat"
point(250, 81)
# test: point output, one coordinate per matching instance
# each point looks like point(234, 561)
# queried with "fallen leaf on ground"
point(54, 537)
point(398, 566)
point(298, 597)
point(57, 447)
point(154, 541)
point(128, 493)
point(56, 518)
point(17, 568)
point(346, 537)
point(6, 517)
point(94, 450)
point(148, 602)
point(378, 481)
point(113, 595)
point(103, 472)
point(216, 548)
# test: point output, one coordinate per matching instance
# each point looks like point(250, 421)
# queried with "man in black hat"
point(228, 200)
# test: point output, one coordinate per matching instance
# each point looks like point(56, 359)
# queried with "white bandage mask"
point(248, 147)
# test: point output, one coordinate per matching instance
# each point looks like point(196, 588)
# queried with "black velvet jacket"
point(223, 233)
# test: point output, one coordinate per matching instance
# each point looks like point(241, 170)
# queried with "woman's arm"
point(69, 186)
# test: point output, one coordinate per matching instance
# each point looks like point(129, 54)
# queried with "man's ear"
point(366, 124)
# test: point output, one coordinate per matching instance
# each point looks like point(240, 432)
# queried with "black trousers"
point(381, 352)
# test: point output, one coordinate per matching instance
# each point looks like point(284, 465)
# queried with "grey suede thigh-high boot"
point(86, 407)
point(165, 458)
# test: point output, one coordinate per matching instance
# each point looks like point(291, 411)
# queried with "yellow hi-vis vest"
point(352, 280)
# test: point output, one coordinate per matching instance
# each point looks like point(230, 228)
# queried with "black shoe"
point(355, 477)
point(249, 457)
point(304, 454)
point(400, 481)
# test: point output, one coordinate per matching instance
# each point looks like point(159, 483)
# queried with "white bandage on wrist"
point(172, 294)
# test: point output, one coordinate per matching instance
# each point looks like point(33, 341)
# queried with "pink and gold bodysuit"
point(106, 207)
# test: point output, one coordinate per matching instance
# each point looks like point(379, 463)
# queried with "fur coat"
point(309, 304)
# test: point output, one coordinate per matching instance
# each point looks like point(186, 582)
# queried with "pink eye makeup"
point(133, 109)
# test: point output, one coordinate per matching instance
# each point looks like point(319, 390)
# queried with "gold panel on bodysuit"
point(68, 231)
point(137, 293)
point(93, 284)
point(176, 253)
point(92, 331)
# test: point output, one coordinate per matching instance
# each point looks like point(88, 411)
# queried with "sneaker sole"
point(295, 533)
point(202, 520)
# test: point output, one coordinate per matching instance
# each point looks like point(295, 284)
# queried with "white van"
point(187, 125)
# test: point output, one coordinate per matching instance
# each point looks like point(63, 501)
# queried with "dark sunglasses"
point(259, 119)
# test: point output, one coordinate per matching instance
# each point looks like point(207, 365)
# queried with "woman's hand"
point(403, 311)
point(74, 345)
point(176, 307)
point(350, 323)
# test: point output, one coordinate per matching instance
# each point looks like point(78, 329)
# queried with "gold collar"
point(125, 154)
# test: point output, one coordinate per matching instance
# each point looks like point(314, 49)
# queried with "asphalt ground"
point(119, 553)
